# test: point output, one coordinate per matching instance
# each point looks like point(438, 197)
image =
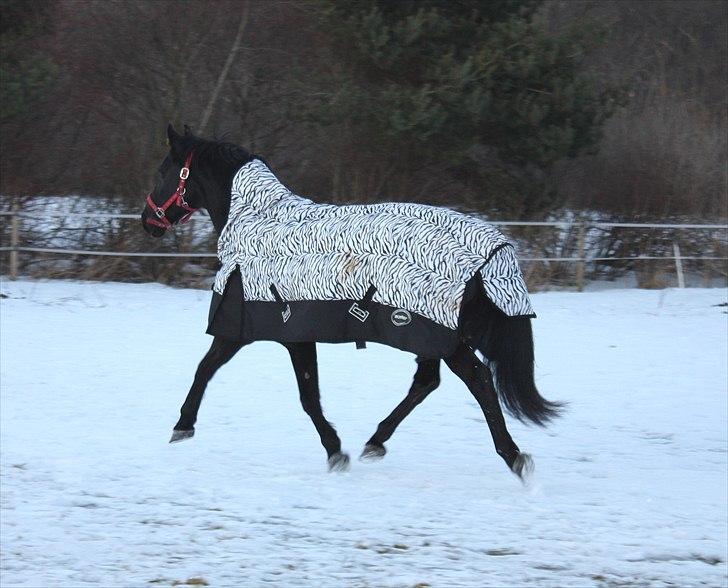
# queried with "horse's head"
point(173, 198)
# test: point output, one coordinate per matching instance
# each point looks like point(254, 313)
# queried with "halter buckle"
point(184, 173)
point(159, 212)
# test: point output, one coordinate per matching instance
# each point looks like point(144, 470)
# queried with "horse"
point(205, 174)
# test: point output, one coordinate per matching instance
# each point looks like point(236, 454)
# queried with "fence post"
point(14, 240)
point(678, 265)
point(581, 228)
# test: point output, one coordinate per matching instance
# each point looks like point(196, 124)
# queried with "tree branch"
point(225, 68)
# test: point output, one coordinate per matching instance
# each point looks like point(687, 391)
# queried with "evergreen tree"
point(26, 73)
point(481, 86)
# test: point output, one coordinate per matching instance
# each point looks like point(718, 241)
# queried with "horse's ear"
point(174, 140)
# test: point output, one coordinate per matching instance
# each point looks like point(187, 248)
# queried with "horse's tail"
point(507, 343)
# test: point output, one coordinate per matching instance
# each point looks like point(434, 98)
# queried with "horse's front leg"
point(221, 351)
point(427, 379)
point(303, 357)
point(479, 380)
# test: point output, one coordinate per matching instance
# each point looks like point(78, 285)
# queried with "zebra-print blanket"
point(419, 258)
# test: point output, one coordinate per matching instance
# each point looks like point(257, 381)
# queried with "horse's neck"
point(218, 207)
point(217, 194)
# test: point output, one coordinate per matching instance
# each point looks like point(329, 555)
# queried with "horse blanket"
point(396, 273)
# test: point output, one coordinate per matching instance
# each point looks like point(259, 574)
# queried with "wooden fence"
point(581, 259)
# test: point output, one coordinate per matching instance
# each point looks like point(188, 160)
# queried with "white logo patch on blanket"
point(401, 317)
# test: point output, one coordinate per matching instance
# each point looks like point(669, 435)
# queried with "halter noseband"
point(177, 198)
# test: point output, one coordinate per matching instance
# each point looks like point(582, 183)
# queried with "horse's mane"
point(216, 152)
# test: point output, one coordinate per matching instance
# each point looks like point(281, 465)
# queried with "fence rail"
point(582, 226)
point(204, 217)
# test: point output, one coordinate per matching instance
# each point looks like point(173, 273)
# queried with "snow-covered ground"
point(630, 486)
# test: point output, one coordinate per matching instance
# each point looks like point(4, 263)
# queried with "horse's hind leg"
point(477, 377)
point(427, 379)
point(303, 357)
point(221, 351)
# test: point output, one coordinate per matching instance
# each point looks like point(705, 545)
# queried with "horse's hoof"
point(178, 436)
point(339, 462)
point(373, 452)
point(523, 467)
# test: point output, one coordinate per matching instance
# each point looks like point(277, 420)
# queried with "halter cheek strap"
point(177, 198)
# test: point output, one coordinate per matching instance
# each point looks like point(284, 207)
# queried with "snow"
point(630, 486)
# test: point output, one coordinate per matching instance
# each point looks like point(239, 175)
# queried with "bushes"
point(496, 107)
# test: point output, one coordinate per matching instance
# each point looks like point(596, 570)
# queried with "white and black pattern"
point(418, 257)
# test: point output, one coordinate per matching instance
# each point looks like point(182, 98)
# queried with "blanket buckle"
point(357, 312)
point(286, 312)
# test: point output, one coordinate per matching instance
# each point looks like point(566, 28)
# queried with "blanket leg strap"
point(360, 311)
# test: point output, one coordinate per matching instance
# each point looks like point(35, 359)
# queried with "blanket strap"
point(286, 308)
point(359, 310)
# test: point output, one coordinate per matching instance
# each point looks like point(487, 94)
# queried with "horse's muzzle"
point(153, 230)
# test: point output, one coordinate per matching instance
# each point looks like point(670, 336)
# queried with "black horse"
point(185, 184)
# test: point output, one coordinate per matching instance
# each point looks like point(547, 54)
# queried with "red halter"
point(177, 198)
